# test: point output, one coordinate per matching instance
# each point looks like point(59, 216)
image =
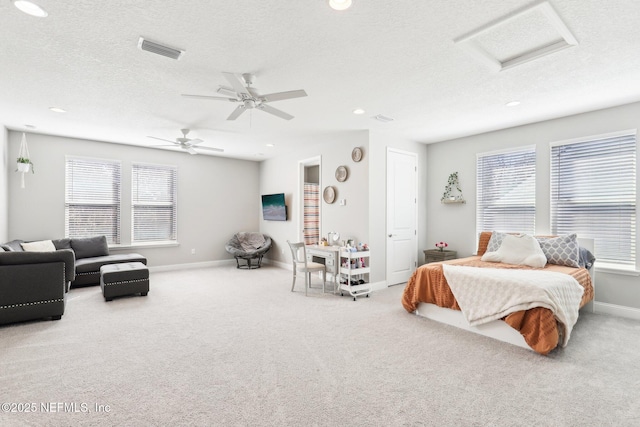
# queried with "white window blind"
point(593, 194)
point(154, 203)
point(92, 198)
point(506, 191)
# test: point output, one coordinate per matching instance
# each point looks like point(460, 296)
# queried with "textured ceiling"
point(393, 58)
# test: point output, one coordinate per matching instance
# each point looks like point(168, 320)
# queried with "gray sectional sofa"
point(33, 285)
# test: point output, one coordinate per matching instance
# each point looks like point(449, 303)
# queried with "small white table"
point(327, 255)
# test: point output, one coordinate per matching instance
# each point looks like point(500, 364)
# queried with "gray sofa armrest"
point(65, 255)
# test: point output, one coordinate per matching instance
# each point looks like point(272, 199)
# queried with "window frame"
point(524, 151)
point(113, 237)
point(171, 205)
point(630, 265)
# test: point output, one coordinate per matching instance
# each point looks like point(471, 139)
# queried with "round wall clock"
point(329, 194)
point(356, 154)
point(341, 174)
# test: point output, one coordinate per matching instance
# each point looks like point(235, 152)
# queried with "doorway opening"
point(310, 211)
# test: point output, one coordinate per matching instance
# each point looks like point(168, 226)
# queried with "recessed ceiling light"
point(340, 4)
point(270, 145)
point(57, 110)
point(358, 111)
point(512, 104)
point(30, 8)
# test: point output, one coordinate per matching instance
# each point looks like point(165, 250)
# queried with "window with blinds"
point(593, 194)
point(92, 198)
point(506, 191)
point(154, 203)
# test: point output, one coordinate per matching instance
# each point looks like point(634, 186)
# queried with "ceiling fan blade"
point(278, 96)
point(204, 147)
point(195, 141)
point(269, 109)
point(236, 83)
point(210, 97)
point(190, 150)
point(236, 113)
point(224, 90)
point(162, 139)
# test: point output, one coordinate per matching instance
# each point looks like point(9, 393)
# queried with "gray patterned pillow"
point(561, 250)
point(495, 241)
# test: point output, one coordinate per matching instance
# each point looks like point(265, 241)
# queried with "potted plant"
point(25, 165)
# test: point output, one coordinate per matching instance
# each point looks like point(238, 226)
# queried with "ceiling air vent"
point(159, 49)
point(382, 118)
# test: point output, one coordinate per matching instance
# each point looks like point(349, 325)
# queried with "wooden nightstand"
point(435, 255)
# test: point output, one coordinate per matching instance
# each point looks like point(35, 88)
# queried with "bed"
point(428, 294)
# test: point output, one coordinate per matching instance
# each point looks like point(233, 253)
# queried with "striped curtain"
point(311, 214)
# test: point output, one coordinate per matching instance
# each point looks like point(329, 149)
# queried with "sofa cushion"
point(88, 247)
point(86, 265)
point(39, 246)
point(13, 246)
point(62, 243)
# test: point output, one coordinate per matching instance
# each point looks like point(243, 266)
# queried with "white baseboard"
point(191, 265)
point(376, 286)
point(617, 310)
point(280, 264)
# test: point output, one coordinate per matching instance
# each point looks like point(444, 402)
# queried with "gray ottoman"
point(124, 279)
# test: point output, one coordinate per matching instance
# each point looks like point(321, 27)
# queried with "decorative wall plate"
point(329, 194)
point(341, 174)
point(356, 154)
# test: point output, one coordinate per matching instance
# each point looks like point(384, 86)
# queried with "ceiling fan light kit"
point(248, 98)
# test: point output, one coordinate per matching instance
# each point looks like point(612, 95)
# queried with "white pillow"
point(41, 246)
point(518, 250)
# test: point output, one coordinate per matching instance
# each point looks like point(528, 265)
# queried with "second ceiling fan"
point(187, 144)
point(248, 98)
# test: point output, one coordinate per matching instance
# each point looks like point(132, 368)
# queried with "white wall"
point(217, 197)
point(363, 218)
point(281, 175)
point(379, 142)
point(455, 223)
point(4, 185)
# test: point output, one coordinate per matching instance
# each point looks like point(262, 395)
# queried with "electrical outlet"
point(193, 251)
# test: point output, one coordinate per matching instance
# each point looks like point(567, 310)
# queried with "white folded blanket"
point(250, 241)
point(486, 294)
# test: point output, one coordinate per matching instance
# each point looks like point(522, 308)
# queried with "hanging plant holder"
point(24, 159)
point(452, 184)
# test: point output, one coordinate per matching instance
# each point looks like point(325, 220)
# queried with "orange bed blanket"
point(538, 325)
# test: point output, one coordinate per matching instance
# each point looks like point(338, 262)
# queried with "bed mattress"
point(538, 325)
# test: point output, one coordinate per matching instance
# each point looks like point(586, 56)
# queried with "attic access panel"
point(522, 36)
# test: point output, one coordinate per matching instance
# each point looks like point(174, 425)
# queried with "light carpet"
point(227, 347)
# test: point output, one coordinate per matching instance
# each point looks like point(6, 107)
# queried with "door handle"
point(390, 235)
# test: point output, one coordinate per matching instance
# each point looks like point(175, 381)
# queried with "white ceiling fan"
point(187, 144)
point(249, 98)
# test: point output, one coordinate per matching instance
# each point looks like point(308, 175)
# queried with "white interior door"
point(402, 241)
